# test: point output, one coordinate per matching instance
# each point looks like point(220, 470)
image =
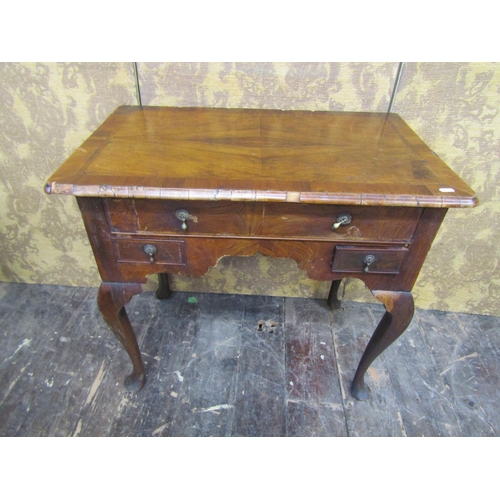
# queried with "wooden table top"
point(260, 155)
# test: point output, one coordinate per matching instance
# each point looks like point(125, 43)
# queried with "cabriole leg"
point(399, 313)
point(111, 300)
point(333, 300)
point(163, 290)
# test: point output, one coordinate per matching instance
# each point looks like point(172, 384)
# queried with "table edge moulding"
point(165, 190)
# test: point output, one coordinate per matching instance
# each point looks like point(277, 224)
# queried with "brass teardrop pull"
point(183, 215)
point(368, 260)
point(342, 220)
point(151, 251)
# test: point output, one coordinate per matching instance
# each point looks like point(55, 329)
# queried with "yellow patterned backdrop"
point(47, 110)
point(455, 108)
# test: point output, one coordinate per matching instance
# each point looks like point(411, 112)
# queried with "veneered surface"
point(260, 155)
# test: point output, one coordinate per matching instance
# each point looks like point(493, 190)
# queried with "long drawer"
point(267, 220)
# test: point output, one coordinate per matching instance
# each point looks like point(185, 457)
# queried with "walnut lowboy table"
point(172, 190)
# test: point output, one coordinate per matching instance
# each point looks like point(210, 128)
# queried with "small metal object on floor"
point(234, 365)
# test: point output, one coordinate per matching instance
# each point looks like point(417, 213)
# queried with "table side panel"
point(96, 224)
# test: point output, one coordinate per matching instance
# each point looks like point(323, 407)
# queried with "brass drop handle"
point(368, 260)
point(151, 251)
point(342, 220)
point(183, 215)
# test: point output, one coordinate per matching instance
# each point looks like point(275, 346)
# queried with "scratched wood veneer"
point(172, 190)
point(259, 155)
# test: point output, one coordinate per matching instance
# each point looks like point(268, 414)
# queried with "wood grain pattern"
point(439, 379)
point(260, 155)
point(263, 220)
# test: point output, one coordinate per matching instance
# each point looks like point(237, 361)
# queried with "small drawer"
point(368, 259)
point(151, 251)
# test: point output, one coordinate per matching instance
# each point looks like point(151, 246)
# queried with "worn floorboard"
point(381, 414)
point(233, 365)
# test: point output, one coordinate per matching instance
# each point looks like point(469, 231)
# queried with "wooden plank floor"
point(233, 365)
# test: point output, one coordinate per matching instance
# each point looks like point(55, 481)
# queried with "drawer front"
point(152, 252)
point(202, 218)
point(365, 223)
point(267, 220)
point(368, 259)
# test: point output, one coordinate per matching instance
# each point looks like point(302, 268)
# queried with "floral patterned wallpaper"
point(311, 86)
point(48, 109)
point(455, 108)
point(46, 112)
